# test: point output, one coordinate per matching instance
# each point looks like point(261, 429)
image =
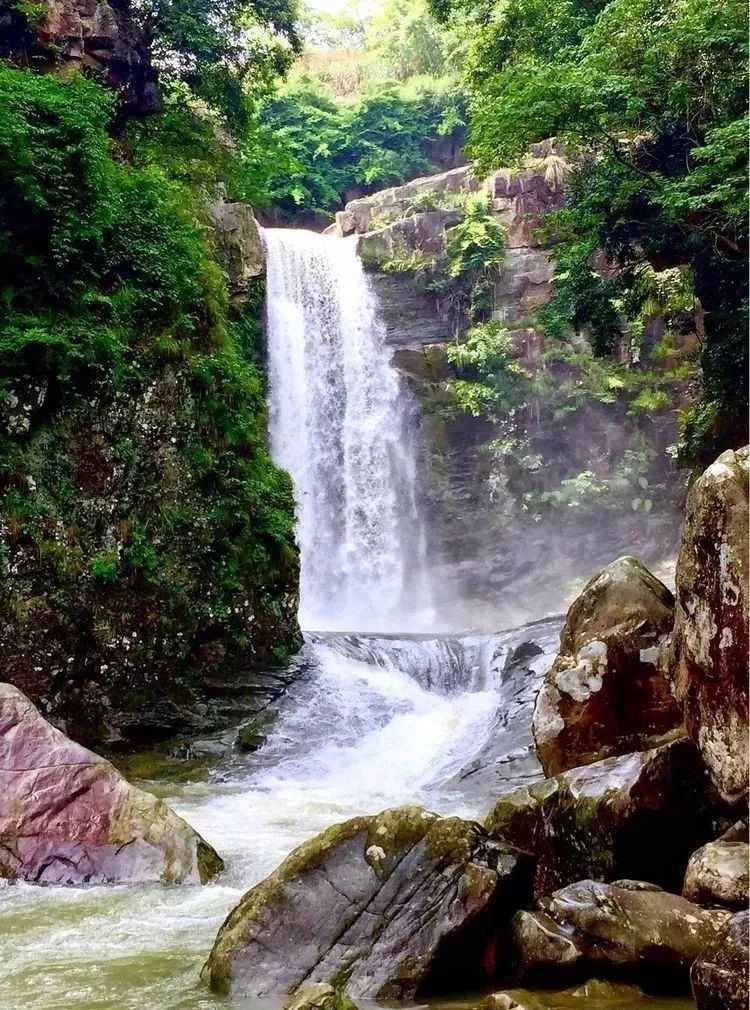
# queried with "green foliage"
point(330, 146)
point(136, 490)
point(490, 380)
point(228, 52)
point(651, 97)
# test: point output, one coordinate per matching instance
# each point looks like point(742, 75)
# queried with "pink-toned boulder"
point(68, 817)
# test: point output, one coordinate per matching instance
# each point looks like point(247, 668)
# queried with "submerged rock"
point(593, 993)
point(719, 976)
point(636, 815)
point(384, 906)
point(595, 924)
point(68, 817)
point(717, 873)
point(606, 694)
point(710, 645)
point(319, 996)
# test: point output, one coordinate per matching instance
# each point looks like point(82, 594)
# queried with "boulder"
point(606, 693)
point(636, 815)
point(68, 817)
point(710, 644)
point(591, 925)
point(319, 996)
point(717, 873)
point(719, 976)
point(384, 906)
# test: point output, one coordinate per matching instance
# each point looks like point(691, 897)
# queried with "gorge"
point(374, 582)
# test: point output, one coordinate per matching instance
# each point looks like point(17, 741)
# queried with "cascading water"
point(342, 423)
point(374, 720)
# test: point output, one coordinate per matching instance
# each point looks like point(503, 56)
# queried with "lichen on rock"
point(373, 906)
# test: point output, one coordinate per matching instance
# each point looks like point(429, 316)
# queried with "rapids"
point(374, 722)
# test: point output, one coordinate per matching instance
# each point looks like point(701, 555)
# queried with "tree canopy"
point(650, 97)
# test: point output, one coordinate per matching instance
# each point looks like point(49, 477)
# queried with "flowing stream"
point(375, 720)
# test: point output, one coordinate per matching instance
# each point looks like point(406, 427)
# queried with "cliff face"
point(147, 550)
point(96, 35)
point(493, 479)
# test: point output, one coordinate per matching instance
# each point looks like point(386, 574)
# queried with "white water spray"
point(342, 423)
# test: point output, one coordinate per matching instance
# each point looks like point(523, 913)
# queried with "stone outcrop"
point(239, 245)
point(717, 873)
point(606, 693)
point(594, 925)
point(68, 817)
point(389, 205)
point(637, 815)
point(595, 993)
point(95, 35)
point(710, 649)
point(719, 975)
point(384, 907)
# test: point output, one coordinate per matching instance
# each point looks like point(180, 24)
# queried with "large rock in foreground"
point(605, 693)
point(710, 646)
point(386, 907)
point(719, 976)
point(636, 815)
point(717, 873)
point(633, 928)
point(68, 817)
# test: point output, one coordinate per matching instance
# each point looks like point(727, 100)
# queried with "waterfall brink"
point(342, 423)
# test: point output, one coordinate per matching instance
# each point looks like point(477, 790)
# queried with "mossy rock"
point(373, 906)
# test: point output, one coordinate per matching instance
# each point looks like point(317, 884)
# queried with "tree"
point(221, 48)
point(650, 95)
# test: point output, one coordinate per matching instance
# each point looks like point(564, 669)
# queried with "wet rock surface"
point(710, 650)
point(638, 816)
point(606, 693)
point(385, 906)
point(591, 924)
point(68, 817)
point(717, 873)
point(508, 760)
point(719, 976)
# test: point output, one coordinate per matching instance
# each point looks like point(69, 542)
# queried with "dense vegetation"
point(650, 98)
point(146, 534)
point(373, 102)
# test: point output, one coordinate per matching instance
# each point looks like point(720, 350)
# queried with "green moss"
point(210, 862)
point(137, 495)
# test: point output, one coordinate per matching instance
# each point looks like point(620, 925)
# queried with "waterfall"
point(342, 423)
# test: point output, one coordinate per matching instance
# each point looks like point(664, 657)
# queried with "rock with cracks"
point(606, 693)
point(636, 815)
point(591, 925)
point(710, 646)
point(68, 817)
point(383, 907)
point(719, 976)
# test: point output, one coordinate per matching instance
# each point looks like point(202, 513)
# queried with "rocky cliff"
point(557, 479)
point(100, 37)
